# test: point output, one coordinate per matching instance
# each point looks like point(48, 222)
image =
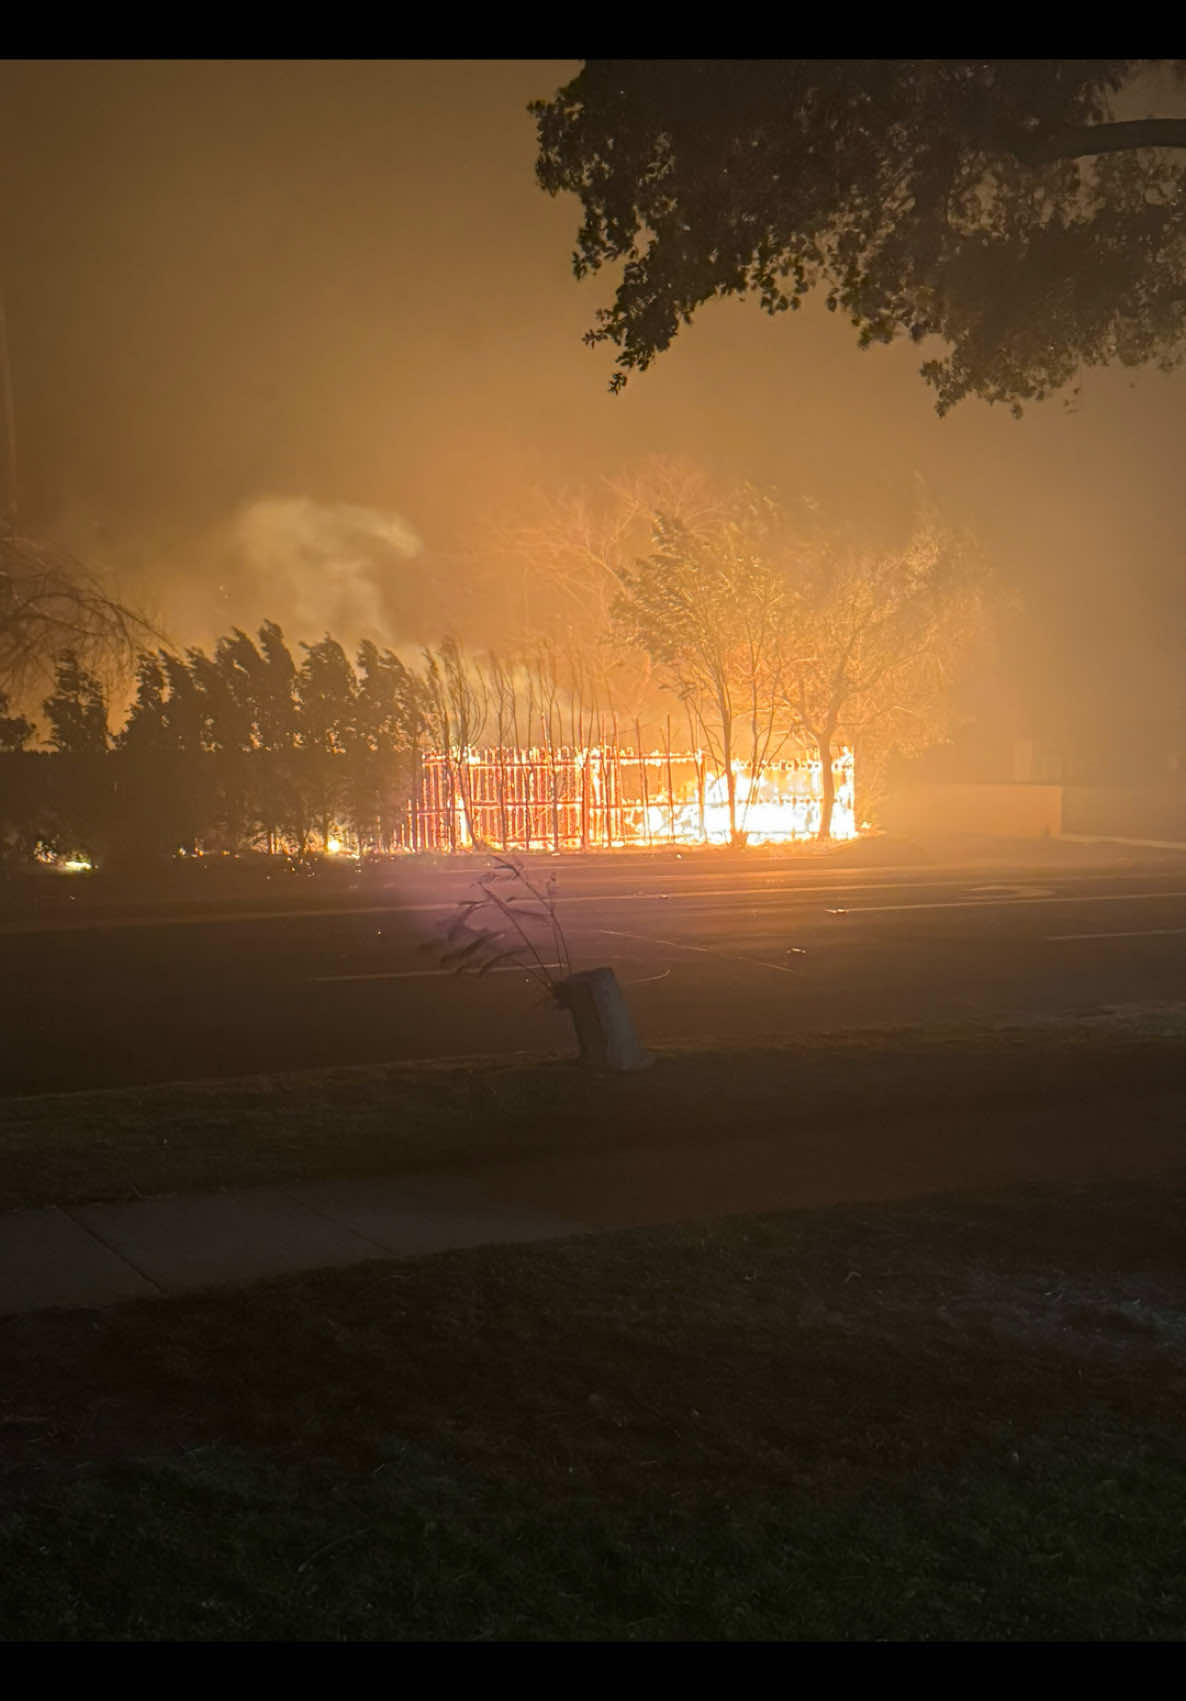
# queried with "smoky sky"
point(243, 292)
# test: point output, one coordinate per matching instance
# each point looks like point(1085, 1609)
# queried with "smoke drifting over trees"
point(231, 282)
point(758, 632)
point(324, 564)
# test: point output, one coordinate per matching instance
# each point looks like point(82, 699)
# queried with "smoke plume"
point(323, 567)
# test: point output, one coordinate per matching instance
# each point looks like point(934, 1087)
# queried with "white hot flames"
point(766, 812)
point(615, 799)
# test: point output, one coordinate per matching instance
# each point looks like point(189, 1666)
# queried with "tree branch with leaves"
point(1001, 206)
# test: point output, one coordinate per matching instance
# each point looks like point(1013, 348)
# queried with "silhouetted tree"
point(225, 736)
point(262, 681)
point(876, 638)
point(77, 709)
point(145, 726)
point(15, 730)
point(325, 694)
point(50, 602)
point(182, 710)
point(20, 796)
point(142, 754)
point(769, 631)
point(164, 778)
point(998, 204)
point(708, 606)
point(383, 758)
point(82, 811)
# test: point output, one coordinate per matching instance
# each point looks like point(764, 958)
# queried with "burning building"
point(614, 797)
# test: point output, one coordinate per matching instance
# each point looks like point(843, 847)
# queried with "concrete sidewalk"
point(92, 1255)
point(1137, 844)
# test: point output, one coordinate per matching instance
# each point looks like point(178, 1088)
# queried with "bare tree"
point(768, 631)
point(874, 642)
point(49, 603)
point(549, 568)
point(708, 606)
point(458, 705)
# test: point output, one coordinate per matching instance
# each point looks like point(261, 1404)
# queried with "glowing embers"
point(603, 798)
point(77, 863)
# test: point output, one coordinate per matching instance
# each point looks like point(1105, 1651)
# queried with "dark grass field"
point(958, 1420)
point(838, 1090)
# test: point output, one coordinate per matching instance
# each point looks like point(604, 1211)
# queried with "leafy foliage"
point(999, 205)
point(15, 730)
point(241, 748)
point(77, 710)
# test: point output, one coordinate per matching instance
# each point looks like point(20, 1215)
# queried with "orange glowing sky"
point(337, 281)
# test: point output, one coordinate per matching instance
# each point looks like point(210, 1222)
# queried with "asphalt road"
point(708, 949)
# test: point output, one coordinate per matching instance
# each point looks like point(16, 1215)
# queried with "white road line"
point(1005, 903)
point(1136, 933)
point(705, 950)
point(802, 894)
point(221, 916)
point(428, 974)
point(95, 923)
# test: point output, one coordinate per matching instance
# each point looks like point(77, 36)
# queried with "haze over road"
point(709, 949)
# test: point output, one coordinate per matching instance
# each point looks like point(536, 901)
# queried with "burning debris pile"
point(610, 797)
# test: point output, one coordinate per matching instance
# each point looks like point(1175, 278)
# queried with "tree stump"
point(605, 1032)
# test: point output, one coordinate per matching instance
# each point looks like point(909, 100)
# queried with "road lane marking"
point(1013, 891)
point(1006, 903)
point(95, 923)
point(1135, 933)
point(705, 950)
point(798, 893)
point(427, 974)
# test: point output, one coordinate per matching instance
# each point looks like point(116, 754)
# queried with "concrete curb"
point(1138, 844)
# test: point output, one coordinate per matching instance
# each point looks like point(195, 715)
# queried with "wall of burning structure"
point(614, 797)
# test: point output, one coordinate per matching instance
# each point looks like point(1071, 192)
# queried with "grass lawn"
point(127, 1143)
point(954, 1420)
